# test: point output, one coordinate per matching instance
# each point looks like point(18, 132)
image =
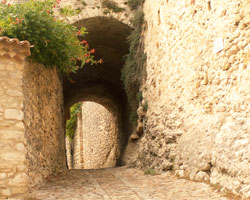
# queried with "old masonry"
point(197, 89)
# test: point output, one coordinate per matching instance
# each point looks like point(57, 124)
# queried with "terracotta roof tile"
point(17, 41)
point(14, 48)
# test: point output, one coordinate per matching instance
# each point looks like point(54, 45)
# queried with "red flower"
point(4, 2)
point(9, 4)
point(78, 33)
point(92, 51)
point(86, 55)
point(83, 42)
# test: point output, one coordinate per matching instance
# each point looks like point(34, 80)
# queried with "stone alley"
point(122, 183)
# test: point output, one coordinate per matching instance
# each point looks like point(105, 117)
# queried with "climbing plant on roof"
point(55, 42)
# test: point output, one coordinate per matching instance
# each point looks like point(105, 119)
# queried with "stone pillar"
point(13, 169)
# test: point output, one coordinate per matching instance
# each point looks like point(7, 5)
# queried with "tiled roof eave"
point(17, 41)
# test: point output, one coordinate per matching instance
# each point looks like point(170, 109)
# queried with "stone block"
point(202, 176)
point(19, 190)
point(21, 147)
point(19, 180)
point(3, 175)
point(13, 114)
point(6, 192)
point(11, 134)
point(12, 157)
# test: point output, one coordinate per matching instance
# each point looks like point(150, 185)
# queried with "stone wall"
point(13, 169)
point(31, 134)
point(43, 120)
point(198, 91)
point(96, 141)
point(69, 151)
point(78, 145)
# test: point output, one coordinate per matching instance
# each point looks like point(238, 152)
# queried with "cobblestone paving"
point(122, 183)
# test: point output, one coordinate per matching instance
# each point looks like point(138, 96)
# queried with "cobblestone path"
point(122, 183)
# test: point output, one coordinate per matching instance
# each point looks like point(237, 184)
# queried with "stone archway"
point(95, 8)
point(102, 83)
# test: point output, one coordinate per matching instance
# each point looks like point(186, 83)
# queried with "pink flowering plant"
point(55, 42)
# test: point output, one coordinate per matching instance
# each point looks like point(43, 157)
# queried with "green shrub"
point(84, 3)
point(150, 171)
point(145, 106)
point(71, 124)
point(106, 11)
point(139, 96)
point(133, 117)
point(111, 5)
point(55, 42)
point(133, 4)
point(68, 11)
point(131, 73)
point(130, 70)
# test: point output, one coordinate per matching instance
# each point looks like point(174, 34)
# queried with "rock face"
point(198, 91)
point(31, 125)
point(96, 142)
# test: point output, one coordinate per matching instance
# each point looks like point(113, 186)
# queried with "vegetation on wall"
point(111, 6)
point(68, 11)
point(134, 64)
point(134, 4)
point(83, 3)
point(55, 42)
point(71, 124)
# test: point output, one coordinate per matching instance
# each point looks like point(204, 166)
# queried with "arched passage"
point(102, 83)
point(96, 139)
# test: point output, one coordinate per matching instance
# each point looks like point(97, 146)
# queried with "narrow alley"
point(122, 183)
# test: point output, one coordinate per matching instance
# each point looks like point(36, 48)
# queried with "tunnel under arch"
point(102, 83)
point(96, 139)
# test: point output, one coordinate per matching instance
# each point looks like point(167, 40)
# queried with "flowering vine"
point(55, 42)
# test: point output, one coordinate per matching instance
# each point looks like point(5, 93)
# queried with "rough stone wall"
point(69, 148)
point(198, 91)
point(78, 145)
point(31, 133)
point(43, 111)
point(98, 147)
